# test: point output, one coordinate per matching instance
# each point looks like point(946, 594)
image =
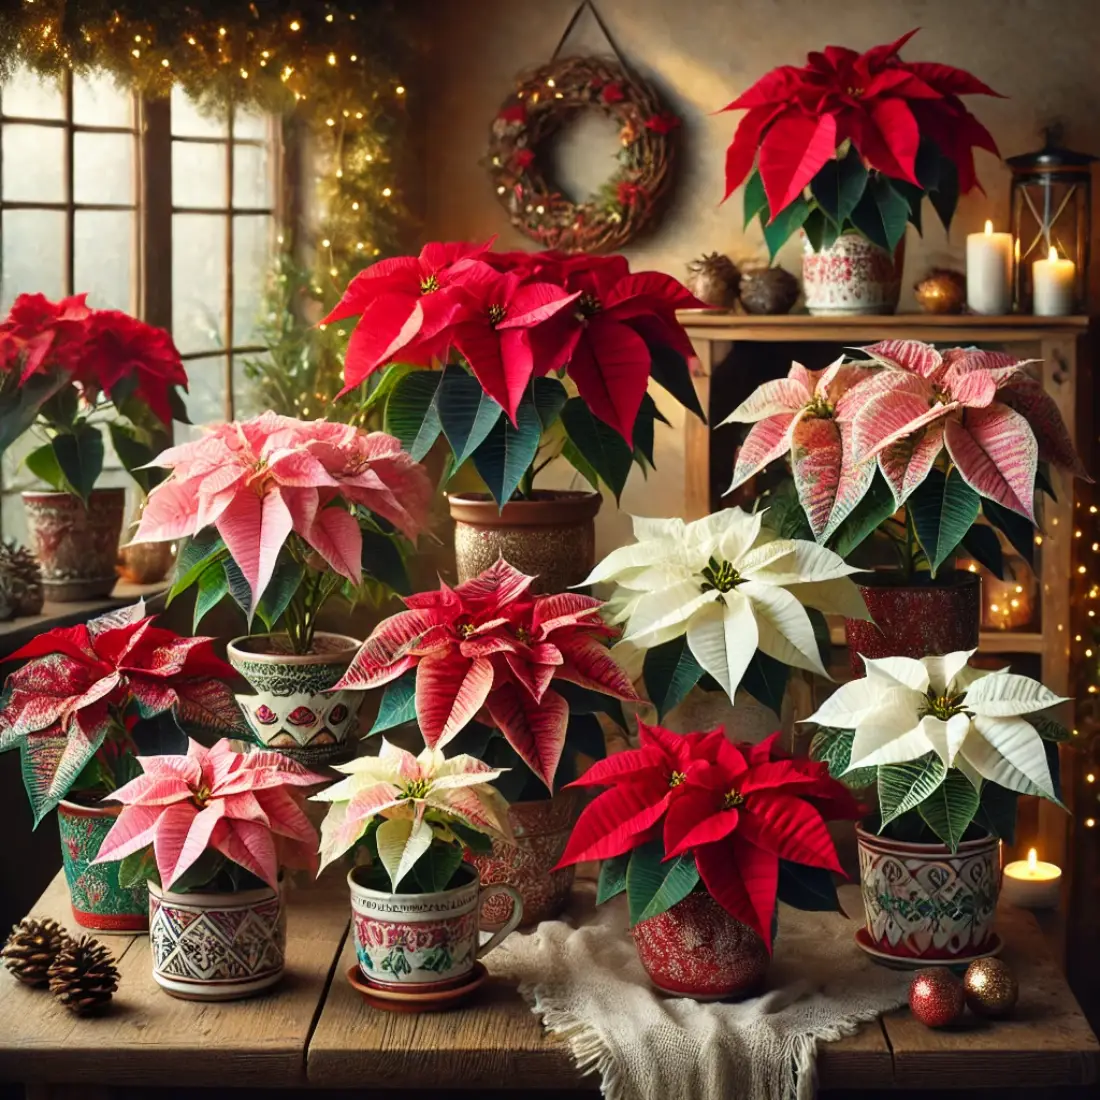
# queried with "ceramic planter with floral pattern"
point(852, 276)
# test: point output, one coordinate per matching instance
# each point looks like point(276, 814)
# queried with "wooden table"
point(314, 1032)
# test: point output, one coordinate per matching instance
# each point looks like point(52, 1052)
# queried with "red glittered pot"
point(696, 949)
point(915, 620)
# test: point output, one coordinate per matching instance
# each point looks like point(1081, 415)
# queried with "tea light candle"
point(1032, 884)
point(989, 271)
point(1053, 280)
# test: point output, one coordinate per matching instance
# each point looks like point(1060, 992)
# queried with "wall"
point(702, 53)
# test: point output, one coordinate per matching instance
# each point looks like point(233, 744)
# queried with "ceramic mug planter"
point(217, 947)
point(924, 902)
point(542, 830)
point(551, 537)
point(293, 712)
point(76, 547)
point(696, 949)
point(851, 277)
point(423, 942)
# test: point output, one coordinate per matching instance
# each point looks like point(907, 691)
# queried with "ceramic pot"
point(552, 536)
point(915, 620)
point(99, 902)
point(853, 276)
point(217, 947)
point(76, 547)
point(542, 830)
point(293, 712)
point(423, 941)
point(696, 949)
point(923, 901)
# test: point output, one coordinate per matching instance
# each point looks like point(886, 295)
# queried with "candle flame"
point(1052, 255)
point(988, 228)
point(1032, 859)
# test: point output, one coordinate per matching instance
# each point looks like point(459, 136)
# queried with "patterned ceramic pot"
point(551, 537)
point(916, 620)
point(76, 547)
point(426, 941)
point(853, 276)
point(98, 901)
point(542, 831)
point(292, 711)
point(217, 947)
point(922, 901)
point(696, 949)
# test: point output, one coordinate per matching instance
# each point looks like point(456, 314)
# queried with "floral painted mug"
point(423, 940)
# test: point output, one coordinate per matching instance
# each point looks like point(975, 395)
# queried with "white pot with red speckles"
point(851, 277)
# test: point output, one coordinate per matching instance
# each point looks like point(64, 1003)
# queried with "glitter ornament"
point(936, 997)
point(991, 989)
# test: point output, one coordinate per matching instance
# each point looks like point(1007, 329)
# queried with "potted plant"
point(497, 671)
point(66, 371)
point(949, 748)
point(912, 444)
point(704, 836)
point(415, 901)
point(282, 516)
point(723, 602)
point(89, 699)
point(847, 147)
point(210, 830)
point(517, 359)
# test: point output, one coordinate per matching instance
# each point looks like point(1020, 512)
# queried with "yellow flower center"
point(818, 408)
point(416, 789)
point(676, 779)
point(943, 706)
point(201, 797)
point(497, 313)
point(587, 305)
point(721, 575)
point(732, 799)
point(428, 284)
point(467, 629)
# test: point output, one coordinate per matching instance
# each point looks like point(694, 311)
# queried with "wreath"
point(544, 101)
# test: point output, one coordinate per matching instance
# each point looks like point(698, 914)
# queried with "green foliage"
point(437, 867)
point(670, 672)
point(602, 448)
point(509, 451)
point(398, 704)
point(903, 787)
point(810, 888)
point(654, 885)
point(833, 748)
point(950, 809)
point(612, 881)
point(766, 679)
point(944, 508)
point(876, 506)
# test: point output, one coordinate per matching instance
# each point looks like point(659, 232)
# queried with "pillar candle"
point(1032, 884)
point(1054, 282)
point(989, 271)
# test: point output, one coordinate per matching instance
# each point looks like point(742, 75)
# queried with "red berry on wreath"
point(936, 997)
point(664, 123)
point(523, 158)
point(612, 93)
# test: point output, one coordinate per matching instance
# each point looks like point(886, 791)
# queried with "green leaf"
point(389, 379)
point(654, 886)
point(820, 231)
point(943, 510)
point(881, 214)
point(1016, 528)
point(177, 406)
point(212, 588)
point(670, 672)
point(839, 186)
point(383, 560)
point(600, 445)
point(412, 412)
point(238, 588)
point(137, 868)
point(928, 165)
point(583, 732)
point(833, 748)
point(466, 412)
point(436, 867)
point(279, 592)
point(755, 198)
point(997, 811)
point(42, 462)
point(1047, 728)
point(950, 809)
point(903, 787)
point(581, 464)
point(787, 222)
point(612, 880)
point(20, 405)
point(474, 840)
point(670, 370)
point(765, 680)
point(945, 196)
point(80, 457)
point(195, 557)
point(876, 506)
point(549, 396)
point(914, 197)
point(398, 704)
point(809, 888)
point(982, 544)
point(508, 452)
point(134, 454)
point(584, 700)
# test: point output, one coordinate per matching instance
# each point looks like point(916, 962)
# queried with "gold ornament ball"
point(941, 291)
point(991, 989)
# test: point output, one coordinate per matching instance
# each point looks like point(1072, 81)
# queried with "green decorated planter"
point(99, 902)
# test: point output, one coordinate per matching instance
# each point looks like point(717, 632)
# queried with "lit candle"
point(1054, 281)
point(989, 271)
point(1031, 883)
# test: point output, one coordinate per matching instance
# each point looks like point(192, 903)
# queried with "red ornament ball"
point(936, 997)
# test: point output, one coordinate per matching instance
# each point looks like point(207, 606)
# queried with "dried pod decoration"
point(714, 280)
point(84, 977)
point(768, 290)
point(20, 580)
point(31, 949)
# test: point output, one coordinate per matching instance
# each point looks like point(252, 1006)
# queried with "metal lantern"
point(1050, 211)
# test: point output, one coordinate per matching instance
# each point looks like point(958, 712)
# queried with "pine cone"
point(31, 948)
point(714, 280)
point(84, 976)
point(18, 563)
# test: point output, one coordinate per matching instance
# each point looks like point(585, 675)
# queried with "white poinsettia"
point(972, 719)
point(731, 586)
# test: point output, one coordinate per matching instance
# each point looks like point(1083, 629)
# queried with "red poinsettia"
point(38, 333)
point(736, 810)
point(487, 649)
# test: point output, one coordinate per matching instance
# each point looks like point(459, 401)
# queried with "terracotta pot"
point(696, 949)
point(853, 276)
point(217, 947)
point(293, 712)
point(552, 536)
point(924, 902)
point(542, 831)
point(422, 940)
point(915, 620)
point(99, 902)
point(76, 547)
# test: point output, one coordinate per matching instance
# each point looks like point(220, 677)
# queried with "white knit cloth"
point(583, 977)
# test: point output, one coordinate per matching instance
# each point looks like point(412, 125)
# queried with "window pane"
point(251, 256)
point(104, 247)
point(187, 121)
point(14, 518)
point(198, 175)
point(32, 256)
point(252, 183)
point(251, 124)
point(33, 159)
point(248, 398)
point(205, 395)
point(31, 96)
point(104, 168)
point(198, 282)
point(98, 101)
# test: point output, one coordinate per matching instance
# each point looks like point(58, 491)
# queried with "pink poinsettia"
point(239, 804)
point(487, 649)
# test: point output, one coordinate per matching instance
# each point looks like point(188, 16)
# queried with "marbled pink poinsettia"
point(240, 804)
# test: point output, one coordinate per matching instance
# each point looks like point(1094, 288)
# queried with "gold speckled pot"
point(552, 536)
